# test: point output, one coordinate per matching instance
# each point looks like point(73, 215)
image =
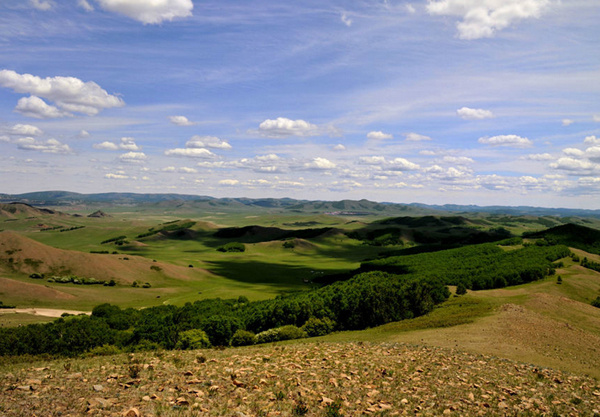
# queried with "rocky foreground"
point(319, 379)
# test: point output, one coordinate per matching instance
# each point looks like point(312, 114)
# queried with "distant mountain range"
point(342, 207)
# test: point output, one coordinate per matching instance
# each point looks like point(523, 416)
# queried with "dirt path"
point(46, 312)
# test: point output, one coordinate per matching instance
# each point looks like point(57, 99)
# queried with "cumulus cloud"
point(4, 139)
point(133, 157)
point(482, 18)
point(346, 20)
point(42, 4)
point(149, 12)
point(339, 147)
point(474, 114)
point(83, 134)
point(85, 5)
point(107, 146)
point(596, 118)
point(571, 164)
point(462, 160)
point(283, 128)
point(48, 146)
point(319, 163)
point(539, 157)
point(229, 182)
point(567, 122)
point(25, 130)
point(574, 152)
point(181, 121)
point(188, 170)
point(379, 135)
point(190, 152)
point(37, 108)
point(401, 164)
point(506, 140)
point(593, 153)
point(372, 160)
point(112, 176)
point(125, 144)
point(592, 140)
point(207, 142)
point(69, 94)
point(415, 137)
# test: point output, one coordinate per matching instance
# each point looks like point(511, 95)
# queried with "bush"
point(318, 327)
point(596, 302)
point(243, 338)
point(280, 333)
point(193, 339)
point(461, 289)
point(232, 247)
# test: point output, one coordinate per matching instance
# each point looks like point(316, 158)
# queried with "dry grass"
point(361, 378)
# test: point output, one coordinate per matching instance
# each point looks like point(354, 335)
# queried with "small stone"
point(146, 398)
point(403, 401)
point(24, 388)
point(132, 412)
point(98, 388)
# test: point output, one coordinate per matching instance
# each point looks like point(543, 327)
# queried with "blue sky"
point(435, 101)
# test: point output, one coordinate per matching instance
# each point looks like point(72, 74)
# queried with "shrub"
point(596, 302)
point(193, 339)
point(243, 338)
point(36, 276)
point(288, 244)
point(146, 285)
point(559, 280)
point(104, 350)
point(318, 327)
point(461, 289)
point(280, 333)
point(232, 247)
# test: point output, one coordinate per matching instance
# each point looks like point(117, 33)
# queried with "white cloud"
point(567, 122)
point(107, 146)
point(126, 144)
point(319, 163)
point(372, 160)
point(428, 152)
point(181, 121)
point(462, 160)
point(593, 153)
point(506, 140)
point(207, 142)
point(83, 134)
point(42, 4)
point(346, 20)
point(379, 135)
point(35, 107)
point(401, 164)
point(70, 94)
point(411, 9)
point(190, 152)
point(169, 169)
point(283, 128)
point(129, 144)
point(415, 137)
point(149, 12)
point(85, 5)
point(474, 114)
point(188, 170)
point(133, 157)
point(4, 139)
point(229, 182)
point(112, 176)
point(570, 164)
point(25, 130)
point(596, 118)
point(339, 147)
point(574, 152)
point(539, 157)
point(482, 18)
point(592, 140)
point(49, 146)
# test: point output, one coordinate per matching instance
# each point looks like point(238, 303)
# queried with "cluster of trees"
point(119, 240)
point(172, 226)
point(232, 247)
point(478, 266)
point(367, 300)
point(586, 263)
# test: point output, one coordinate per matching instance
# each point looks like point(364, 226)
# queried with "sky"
point(487, 102)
